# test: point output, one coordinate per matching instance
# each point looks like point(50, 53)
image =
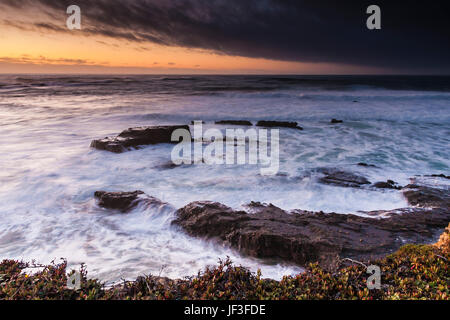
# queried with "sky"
point(225, 37)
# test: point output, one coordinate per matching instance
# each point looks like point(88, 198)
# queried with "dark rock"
point(363, 164)
point(389, 184)
point(342, 178)
point(427, 197)
point(108, 144)
point(281, 124)
point(125, 201)
point(135, 137)
point(168, 165)
point(235, 122)
point(438, 176)
point(336, 121)
point(303, 237)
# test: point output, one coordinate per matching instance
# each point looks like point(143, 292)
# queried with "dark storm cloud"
point(414, 37)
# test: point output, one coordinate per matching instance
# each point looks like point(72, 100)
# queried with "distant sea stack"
point(235, 122)
point(278, 124)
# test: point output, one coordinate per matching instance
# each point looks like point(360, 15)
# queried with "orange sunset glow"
point(28, 48)
point(35, 51)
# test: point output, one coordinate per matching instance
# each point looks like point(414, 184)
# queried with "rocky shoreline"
point(334, 248)
point(302, 237)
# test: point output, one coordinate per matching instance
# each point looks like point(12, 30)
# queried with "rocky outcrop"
point(301, 237)
point(279, 124)
point(363, 164)
point(342, 178)
point(169, 165)
point(266, 231)
point(135, 137)
point(441, 175)
point(335, 121)
point(235, 122)
point(125, 201)
point(427, 197)
point(389, 184)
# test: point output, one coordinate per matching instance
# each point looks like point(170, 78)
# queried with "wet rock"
point(389, 184)
point(336, 121)
point(438, 176)
point(267, 231)
point(108, 144)
point(342, 178)
point(363, 164)
point(168, 165)
point(135, 137)
point(280, 124)
point(427, 197)
point(235, 122)
point(125, 201)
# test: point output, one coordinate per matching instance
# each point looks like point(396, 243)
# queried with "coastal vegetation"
point(412, 272)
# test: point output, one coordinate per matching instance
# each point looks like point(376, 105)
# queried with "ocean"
point(49, 173)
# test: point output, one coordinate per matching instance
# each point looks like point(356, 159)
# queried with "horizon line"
point(233, 74)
